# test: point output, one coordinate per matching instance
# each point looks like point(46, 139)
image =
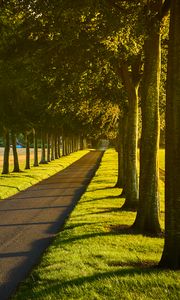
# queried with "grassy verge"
point(97, 257)
point(14, 182)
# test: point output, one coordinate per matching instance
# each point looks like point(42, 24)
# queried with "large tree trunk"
point(171, 252)
point(15, 155)
point(6, 152)
point(27, 166)
point(131, 201)
point(35, 149)
point(147, 219)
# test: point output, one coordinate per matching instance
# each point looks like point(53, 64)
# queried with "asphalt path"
point(30, 219)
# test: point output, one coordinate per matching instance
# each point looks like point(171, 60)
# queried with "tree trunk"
point(81, 143)
point(120, 177)
point(15, 155)
point(48, 147)
point(59, 146)
point(171, 252)
point(56, 146)
point(27, 166)
point(52, 147)
point(125, 154)
point(147, 219)
point(63, 145)
point(131, 201)
point(43, 149)
point(66, 145)
point(35, 149)
point(6, 152)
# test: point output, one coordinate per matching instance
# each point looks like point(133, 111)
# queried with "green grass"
point(97, 257)
point(14, 182)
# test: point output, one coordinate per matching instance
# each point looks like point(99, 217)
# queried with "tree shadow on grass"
point(100, 198)
point(104, 211)
point(100, 189)
point(111, 231)
point(125, 270)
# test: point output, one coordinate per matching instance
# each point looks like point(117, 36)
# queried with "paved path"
point(30, 219)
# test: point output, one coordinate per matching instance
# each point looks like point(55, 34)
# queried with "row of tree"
point(74, 67)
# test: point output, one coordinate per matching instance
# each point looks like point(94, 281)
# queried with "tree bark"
point(52, 147)
point(36, 164)
point(59, 146)
point(48, 147)
point(147, 219)
point(6, 152)
point(43, 149)
point(56, 146)
point(120, 177)
point(125, 153)
point(27, 166)
point(15, 154)
point(171, 253)
point(131, 201)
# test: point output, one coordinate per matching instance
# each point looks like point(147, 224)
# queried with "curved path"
point(30, 219)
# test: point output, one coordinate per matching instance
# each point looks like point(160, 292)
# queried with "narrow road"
point(30, 219)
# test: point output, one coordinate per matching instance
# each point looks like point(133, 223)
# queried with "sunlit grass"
point(96, 256)
point(15, 182)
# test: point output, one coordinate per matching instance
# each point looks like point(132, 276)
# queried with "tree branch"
point(165, 9)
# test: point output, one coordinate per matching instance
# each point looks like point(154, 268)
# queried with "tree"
point(147, 219)
point(171, 253)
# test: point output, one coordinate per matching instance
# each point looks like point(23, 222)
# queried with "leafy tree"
point(147, 219)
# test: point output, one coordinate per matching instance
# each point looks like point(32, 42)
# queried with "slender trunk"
point(59, 146)
point(81, 143)
point(43, 149)
point(63, 145)
point(171, 253)
point(15, 154)
point(66, 145)
point(56, 146)
point(6, 152)
point(147, 219)
point(35, 149)
point(120, 178)
point(48, 147)
point(52, 147)
point(73, 144)
point(27, 166)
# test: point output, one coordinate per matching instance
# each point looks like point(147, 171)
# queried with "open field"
point(97, 256)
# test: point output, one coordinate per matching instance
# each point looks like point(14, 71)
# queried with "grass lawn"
point(97, 257)
point(14, 182)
